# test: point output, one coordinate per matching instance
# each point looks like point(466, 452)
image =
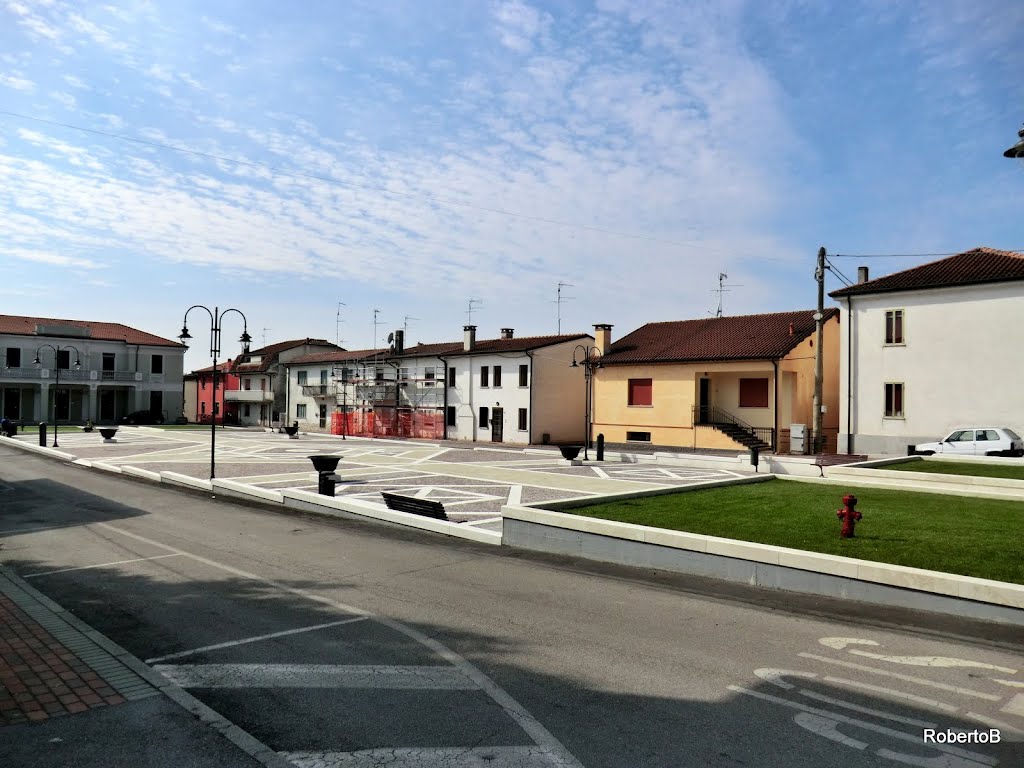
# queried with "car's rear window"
point(1013, 435)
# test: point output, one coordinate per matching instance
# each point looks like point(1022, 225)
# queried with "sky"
point(310, 163)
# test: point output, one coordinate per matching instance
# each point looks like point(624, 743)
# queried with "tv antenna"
point(264, 334)
point(405, 326)
point(469, 310)
point(376, 322)
point(723, 288)
point(559, 298)
point(337, 323)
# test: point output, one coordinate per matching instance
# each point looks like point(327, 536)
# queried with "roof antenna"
point(265, 335)
point(559, 299)
point(337, 323)
point(469, 311)
point(723, 287)
point(376, 322)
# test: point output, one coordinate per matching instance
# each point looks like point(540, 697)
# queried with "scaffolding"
point(380, 398)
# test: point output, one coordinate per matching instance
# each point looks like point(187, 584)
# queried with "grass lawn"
point(955, 534)
point(1012, 471)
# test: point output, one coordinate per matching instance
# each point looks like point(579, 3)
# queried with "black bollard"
point(600, 447)
point(42, 433)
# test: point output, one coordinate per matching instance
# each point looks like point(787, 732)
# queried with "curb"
point(241, 739)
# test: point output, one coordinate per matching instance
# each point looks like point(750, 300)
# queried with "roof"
point(87, 330)
point(270, 353)
point(337, 356)
point(742, 337)
point(973, 267)
point(227, 366)
point(491, 346)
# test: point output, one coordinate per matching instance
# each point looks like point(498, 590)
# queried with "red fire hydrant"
point(848, 515)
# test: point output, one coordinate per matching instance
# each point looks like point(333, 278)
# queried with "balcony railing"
point(248, 396)
point(318, 390)
point(72, 374)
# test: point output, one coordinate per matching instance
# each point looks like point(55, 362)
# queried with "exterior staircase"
point(762, 438)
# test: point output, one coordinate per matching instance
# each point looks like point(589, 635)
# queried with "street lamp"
point(56, 387)
point(1017, 150)
point(590, 362)
point(216, 316)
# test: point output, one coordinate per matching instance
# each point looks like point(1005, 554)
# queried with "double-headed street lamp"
point(1017, 150)
point(216, 316)
point(56, 364)
point(591, 360)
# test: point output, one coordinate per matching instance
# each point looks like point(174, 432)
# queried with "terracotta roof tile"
point(270, 353)
point(26, 326)
point(743, 337)
point(338, 356)
point(978, 265)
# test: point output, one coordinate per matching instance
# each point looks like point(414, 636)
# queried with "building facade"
point(932, 348)
point(200, 407)
point(262, 395)
point(87, 370)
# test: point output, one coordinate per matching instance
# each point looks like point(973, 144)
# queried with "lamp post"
point(56, 387)
point(1017, 150)
point(216, 317)
point(590, 362)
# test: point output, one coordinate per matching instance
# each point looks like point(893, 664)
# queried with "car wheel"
point(994, 453)
point(926, 453)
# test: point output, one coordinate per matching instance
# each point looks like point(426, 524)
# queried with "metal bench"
point(425, 507)
point(835, 459)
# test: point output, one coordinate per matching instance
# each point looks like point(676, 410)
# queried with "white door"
point(959, 443)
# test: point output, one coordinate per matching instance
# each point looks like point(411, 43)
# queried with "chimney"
point(468, 338)
point(506, 333)
point(399, 342)
point(862, 274)
point(791, 329)
point(603, 337)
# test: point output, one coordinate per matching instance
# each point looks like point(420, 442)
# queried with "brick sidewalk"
point(49, 668)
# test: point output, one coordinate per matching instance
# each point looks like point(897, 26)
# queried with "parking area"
point(472, 482)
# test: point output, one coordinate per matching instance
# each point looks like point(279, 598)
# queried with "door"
point(960, 443)
point(108, 402)
point(12, 403)
point(704, 402)
point(323, 416)
point(62, 405)
point(497, 424)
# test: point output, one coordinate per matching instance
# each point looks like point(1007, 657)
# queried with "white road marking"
point(866, 710)
point(840, 643)
point(1011, 683)
point(1015, 705)
point(914, 739)
point(893, 692)
point(540, 735)
point(600, 473)
point(256, 639)
point(98, 565)
point(515, 495)
point(774, 676)
point(827, 727)
point(440, 678)
point(426, 757)
point(905, 678)
point(430, 456)
point(1007, 732)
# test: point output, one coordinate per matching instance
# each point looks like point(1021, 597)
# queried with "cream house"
point(932, 348)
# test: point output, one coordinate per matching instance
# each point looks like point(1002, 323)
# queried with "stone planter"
point(108, 434)
point(570, 452)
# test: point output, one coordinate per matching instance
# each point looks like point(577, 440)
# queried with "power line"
point(350, 184)
point(897, 255)
point(836, 271)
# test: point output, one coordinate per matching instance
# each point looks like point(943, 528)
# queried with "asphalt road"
point(357, 644)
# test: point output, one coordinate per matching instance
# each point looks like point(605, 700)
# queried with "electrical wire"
point(900, 255)
point(353, 185)
point(837, 272)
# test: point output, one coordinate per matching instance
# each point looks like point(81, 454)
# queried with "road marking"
point(1015, 706)
point(1008, 732)
point(866, 710)
point(258, 638)
point(515, 495)
point(914, 739)
point(774, 676)
point(1011, 683)
point(893, 692)
point(540, 735)
point(440, 678)
point(905, 678)
point(839, 643)
point(98, 565)
point(600, 473)
point(827, 727)
point(426, 757)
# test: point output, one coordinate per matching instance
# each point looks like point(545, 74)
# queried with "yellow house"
point(720, 382)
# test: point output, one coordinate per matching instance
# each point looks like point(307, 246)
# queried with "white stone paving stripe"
point(425, 757)
point(867, 710)
point(1007, 732)
point(912, 738)
point(894, 693)
point(600, 473)
point(515, 495)
point(905, 678)
point(256, 639)
point(440, 678)
point(1015, 705)
point(98, 565)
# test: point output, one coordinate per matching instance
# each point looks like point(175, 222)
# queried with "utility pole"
point(559, 299)
point(819, 315)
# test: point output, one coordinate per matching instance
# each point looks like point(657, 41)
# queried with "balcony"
point(248, 396)
point(318, 390)
point(46, 375)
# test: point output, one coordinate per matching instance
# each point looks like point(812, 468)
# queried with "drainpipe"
point(529, 382)
point(775, 434)
point(472, 413)
point(849, 374)
point(444, 412)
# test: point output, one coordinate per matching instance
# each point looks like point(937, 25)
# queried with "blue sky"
point(409, 156)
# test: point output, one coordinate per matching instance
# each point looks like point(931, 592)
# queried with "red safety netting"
point(385, 422)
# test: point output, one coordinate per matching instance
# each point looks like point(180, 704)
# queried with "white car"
point(975, 441)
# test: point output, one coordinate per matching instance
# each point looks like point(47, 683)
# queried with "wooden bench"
point(425, 507)
point(834, 459)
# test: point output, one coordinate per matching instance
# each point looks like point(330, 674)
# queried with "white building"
point(932, 348)
point(86, 370)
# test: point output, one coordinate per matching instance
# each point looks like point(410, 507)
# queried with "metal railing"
point(317, 390)
point(712, 416)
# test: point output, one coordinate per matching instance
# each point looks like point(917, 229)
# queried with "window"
point(451, 376)
point(64, 359)
point(961, 436)
point(323, 377)
point(894, 400)
point(246, 411)
point(108, 362)
point(987, 434)
point(894, 326)
point(13, 357)
point(484, 376)
point(156, 364)
point(451, 416)
point(248, 384)
point(202, 382)
point(263, 385)
point(303, 378)
point(378, 375)
point(156, 401)
point(300, 411)
point(202, 408)
point(428, 376)
point(483, 418)
point(753, 393)
point(522, 420)
point(403, 374)
point(638, 437)
point(497, 375)
point(640, 391)
point(524, 375)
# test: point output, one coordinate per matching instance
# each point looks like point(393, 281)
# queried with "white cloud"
point(66, 100)
point(96, 33)
point(17, 82)
point(519, 24)
point(75, 82)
